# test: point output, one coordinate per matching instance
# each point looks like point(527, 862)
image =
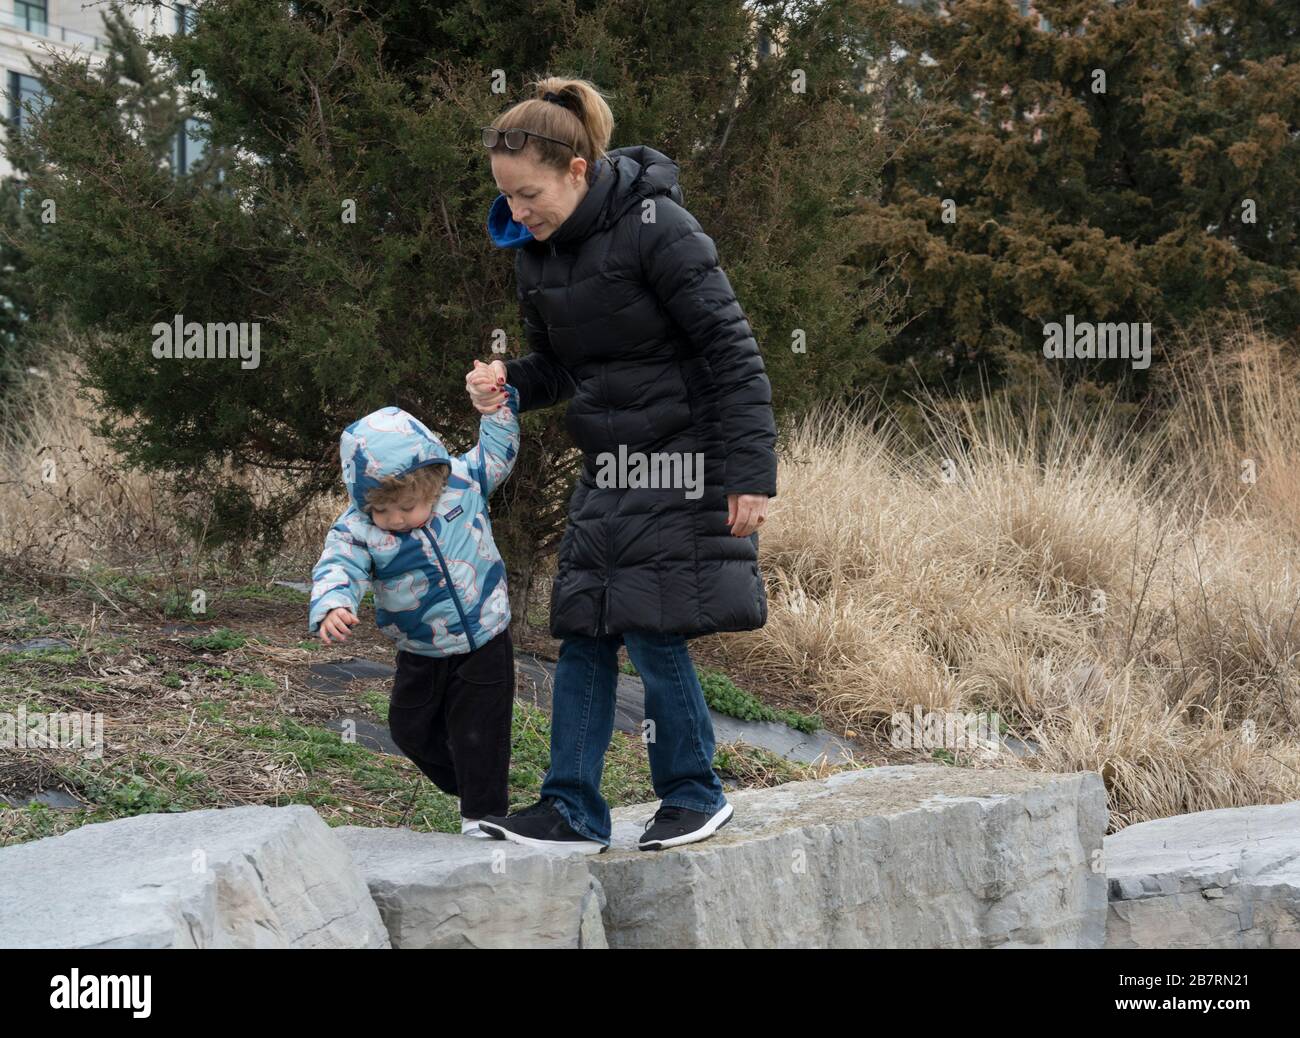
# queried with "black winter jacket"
point(635, 324)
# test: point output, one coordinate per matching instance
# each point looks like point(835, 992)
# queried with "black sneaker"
point(539, 826)
point(673, 826)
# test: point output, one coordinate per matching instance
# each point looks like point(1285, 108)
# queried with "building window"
point(24, 90)
point(21, 192)
point(189, 147)
point(32, 15)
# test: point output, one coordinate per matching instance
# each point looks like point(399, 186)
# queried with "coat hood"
point(623, 178)
point(642, 172)
point(505, 231)
point(387, 442)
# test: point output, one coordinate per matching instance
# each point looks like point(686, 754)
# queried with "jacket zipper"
point(451, 589)
point(602, 621)
point(609, 542)
point(609, 562)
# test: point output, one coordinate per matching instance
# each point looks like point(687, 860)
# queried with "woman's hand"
point(745, 513)
point(486, 385)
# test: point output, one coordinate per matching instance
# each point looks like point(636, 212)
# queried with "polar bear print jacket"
point(439, 589)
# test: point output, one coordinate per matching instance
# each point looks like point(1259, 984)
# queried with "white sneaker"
point(469, 827)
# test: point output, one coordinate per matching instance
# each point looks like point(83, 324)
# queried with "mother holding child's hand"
point(630, 319)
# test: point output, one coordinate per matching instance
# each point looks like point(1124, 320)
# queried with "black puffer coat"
point(637, 326)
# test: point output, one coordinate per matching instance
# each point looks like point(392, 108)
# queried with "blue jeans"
point(680, 743)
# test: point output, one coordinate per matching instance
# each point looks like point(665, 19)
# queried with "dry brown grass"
point(1118, 597)
point(67, 499)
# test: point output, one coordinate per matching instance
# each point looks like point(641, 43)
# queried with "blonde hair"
point(585, 122)
point(426, 482)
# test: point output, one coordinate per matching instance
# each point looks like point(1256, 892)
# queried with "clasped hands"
point(486, 385)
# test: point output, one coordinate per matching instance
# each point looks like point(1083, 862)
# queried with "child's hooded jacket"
point(440, 589)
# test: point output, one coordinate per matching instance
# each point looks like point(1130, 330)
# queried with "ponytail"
point(579, 116)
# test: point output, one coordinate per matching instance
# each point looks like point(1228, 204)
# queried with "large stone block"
point(898, 857)
point(1215, 879)
point(436, 890)
point(240, 877)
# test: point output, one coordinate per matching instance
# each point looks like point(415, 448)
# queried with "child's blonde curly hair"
point(426, 482)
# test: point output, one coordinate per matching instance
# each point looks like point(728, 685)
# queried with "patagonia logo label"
point(453, 513)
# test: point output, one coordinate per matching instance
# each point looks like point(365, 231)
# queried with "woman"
point(630, 319)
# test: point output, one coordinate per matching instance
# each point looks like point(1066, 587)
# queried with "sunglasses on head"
point(516, 139)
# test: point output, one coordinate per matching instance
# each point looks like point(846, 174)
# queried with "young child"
point(418, 528)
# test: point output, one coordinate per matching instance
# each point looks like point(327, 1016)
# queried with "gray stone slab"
point(629, 712)
point(629, 705)
point(537, 684)
point(186, 628)
point(237, 877)
point(1228, 878)
point(36, 645)
point(295, 585)
point(784, 741)
point(55, 798)
point(372, 736)
point(1020, 747)
point(442, 890)
point(899, 857)
point(336, 676)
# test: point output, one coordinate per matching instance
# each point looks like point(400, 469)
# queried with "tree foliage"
point(319, 110)
point(1106, 163)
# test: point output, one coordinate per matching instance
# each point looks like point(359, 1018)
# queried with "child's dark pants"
point(451, 716)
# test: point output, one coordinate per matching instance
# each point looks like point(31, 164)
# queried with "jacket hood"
point(643, 173)
point(505, 231)
point(387, 442)
point(623, 178)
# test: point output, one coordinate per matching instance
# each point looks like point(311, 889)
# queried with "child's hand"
point(486, 385)
point(336, 622)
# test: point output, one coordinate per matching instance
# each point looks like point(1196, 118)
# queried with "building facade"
point(30, 30)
